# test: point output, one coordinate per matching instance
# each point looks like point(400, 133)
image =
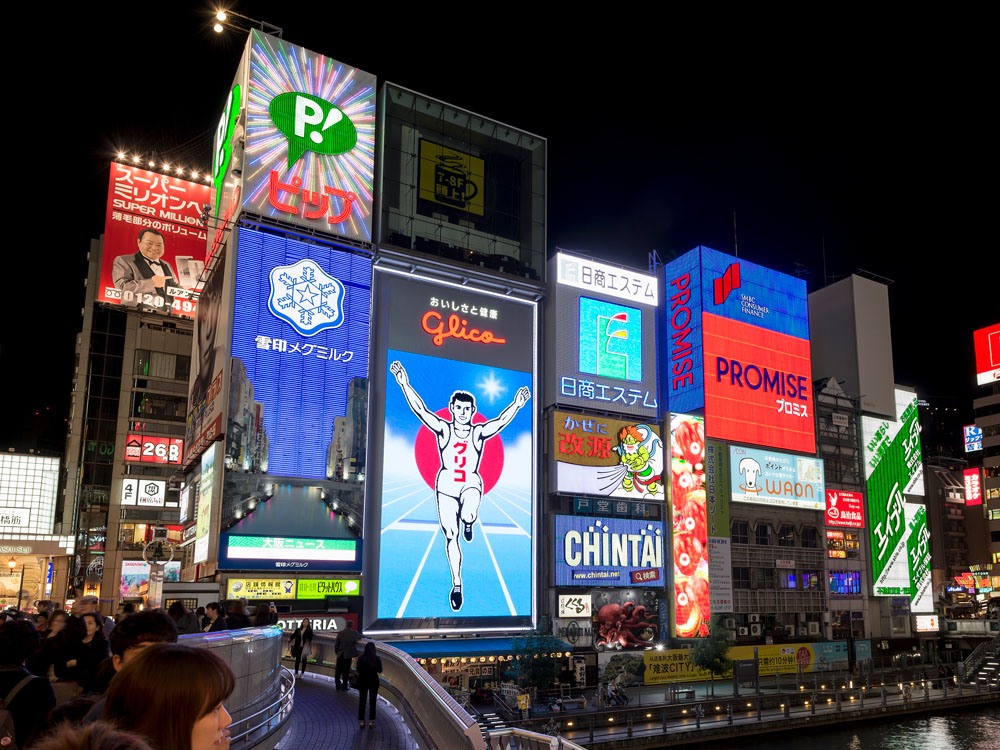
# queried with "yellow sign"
point(674, 665)
point(524, 701)
point(261, 588)
point(451, 178)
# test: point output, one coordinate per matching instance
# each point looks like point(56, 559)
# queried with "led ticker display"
point(310, 139)
point(300, 330)
point(154, 241)
point(899, 534)
point(243, 551)
point(689, 511)
point(973, 488)
point(609, 457)
point(157, 450)
point(597, 552)
point(987, 346)
point(772, 478)
point(455, 399)
point(604, 327)
point(845, 508)
point(973, 435)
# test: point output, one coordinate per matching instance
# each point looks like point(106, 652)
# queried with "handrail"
point(499, 739)
point(973, 660)
point(279, 711)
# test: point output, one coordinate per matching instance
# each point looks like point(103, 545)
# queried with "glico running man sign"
point(454, 470)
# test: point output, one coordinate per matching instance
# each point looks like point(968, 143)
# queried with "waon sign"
point(844, 508)
point(736, 344)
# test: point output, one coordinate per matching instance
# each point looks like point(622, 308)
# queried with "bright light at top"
point(152, 163)
point(121, 154)
point(221, 15)
point(136, 158)
point(194, 175)
point(217, 28)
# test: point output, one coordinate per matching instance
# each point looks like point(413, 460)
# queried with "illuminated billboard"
point(608, 457)
point(210, 466)
point(973, 436)
point(453, 473)
point(260, 588)
point(603, 320)
point(300, 332)
point(451, 177)
point(717, 497)
point(736, 344)
point(987, 346)
point(771, 478)
point(310, 139)
point(250, 552)
point(154, 241)
point(689, 510)
point(157, 450)
point(973, 488)
point(134, 581)
point(147, 493)
point(845, 508)
point(597, 552)
point(899, 534)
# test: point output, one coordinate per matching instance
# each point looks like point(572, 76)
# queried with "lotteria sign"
point(737, 345)
point(899, 535)
point(608, 552)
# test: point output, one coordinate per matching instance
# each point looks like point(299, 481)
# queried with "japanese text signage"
point(973, 438)
point(260, 588)
point(455, 398)
point(987, 345)
point(736, 343)
point(608, 552)
point(844, 508)
point(243, 551)
point(973, 489)
point(300, 331)
point(320, 588)
point(899, 536)
point(154, 241)
point(772, 478)
point(612, 457)
point(575, 605)
point(310, 139)
point(157, 450)
point(149, 493)
point(605, 353)
point(717, 495)
point(453, 178)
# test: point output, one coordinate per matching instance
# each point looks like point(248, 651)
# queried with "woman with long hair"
point(302, 644)
point(172, 696)
point(84, 656)
point(52, 645)
point(369, 668)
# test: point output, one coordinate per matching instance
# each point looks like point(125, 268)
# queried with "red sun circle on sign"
point(428, 457)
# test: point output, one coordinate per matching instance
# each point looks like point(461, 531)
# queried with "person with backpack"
point(25, 699)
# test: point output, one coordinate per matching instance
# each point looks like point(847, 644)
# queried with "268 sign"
point(157, 450)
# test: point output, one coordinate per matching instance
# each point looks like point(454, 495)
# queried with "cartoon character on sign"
point(460, 443)
point(641, 453)
point(750, 470)
point(624, 625)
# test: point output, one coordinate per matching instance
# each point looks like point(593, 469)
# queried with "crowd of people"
point(81, 680)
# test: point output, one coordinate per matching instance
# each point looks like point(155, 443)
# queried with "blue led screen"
point(608, 552)
point(301, 331)
point(739, 290)
point(681, 357)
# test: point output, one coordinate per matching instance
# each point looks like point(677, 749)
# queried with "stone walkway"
point(325, 719)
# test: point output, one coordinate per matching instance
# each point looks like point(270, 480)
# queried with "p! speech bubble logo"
point(312, 124)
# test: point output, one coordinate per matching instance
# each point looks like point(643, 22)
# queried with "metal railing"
point(274, 717)
point(524, 739)
point(979, 653)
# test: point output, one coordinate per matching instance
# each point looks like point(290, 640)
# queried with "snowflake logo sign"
point(306, 297)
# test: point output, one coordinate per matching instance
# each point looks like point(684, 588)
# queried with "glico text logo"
point(433, 324)
point(610, 340)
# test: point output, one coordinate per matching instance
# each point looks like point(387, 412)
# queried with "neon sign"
point(456, 329)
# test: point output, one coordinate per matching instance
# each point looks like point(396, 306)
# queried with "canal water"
point(969, 729)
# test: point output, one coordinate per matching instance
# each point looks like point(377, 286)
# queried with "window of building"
point(845, 582)
point(852, 544)
point(786, 535)
point(762, 534)
point(810, 537)
point(741, 578)
point(762, 578)
point(786, 579)
point(741, 532)
point(158, 406)
point(811, 580)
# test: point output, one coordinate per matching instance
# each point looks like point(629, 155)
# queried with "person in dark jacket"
point(216, 618)
point(346, 648)
point(34, 697)
point(369, 668)
point(52, 644)
point(184, 619)
point(83, 658)
point(237, 616)
point(302, 644)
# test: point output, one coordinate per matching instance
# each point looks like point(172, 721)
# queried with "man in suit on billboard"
point(144, 272)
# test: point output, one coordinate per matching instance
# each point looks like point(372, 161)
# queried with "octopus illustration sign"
point(608, 457)
point(608, 552)
point(454, 470)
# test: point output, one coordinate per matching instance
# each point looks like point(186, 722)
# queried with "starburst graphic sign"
point(306, 297)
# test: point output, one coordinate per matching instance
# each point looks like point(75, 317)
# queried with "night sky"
point(869, 135)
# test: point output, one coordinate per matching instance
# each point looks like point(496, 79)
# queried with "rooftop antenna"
point(654, 261)
point(736, 241)
point(826, 279)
